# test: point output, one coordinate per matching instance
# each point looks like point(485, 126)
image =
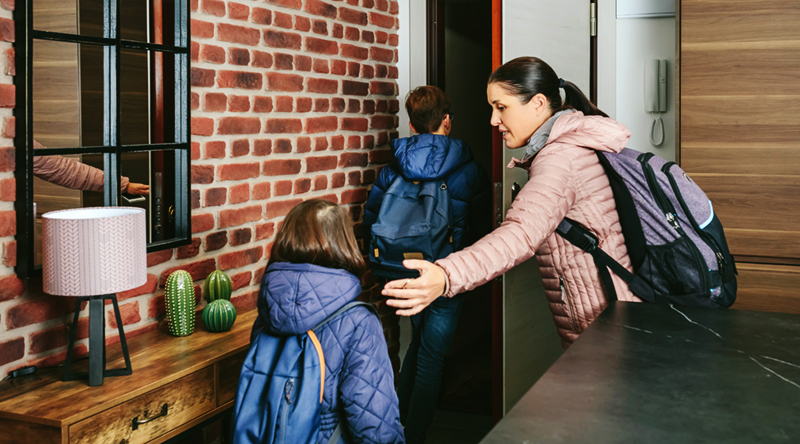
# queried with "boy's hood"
point(296, 297)
point(429, 156)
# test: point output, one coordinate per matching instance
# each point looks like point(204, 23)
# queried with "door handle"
point(515, 188)
point(498, 203)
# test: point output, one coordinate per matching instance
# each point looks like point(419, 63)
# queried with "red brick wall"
point(291, 100)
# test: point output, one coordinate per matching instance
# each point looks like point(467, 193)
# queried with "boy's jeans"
point(423, 366)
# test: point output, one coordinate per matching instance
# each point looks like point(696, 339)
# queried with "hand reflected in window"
point(72, 174)
point(138, 189)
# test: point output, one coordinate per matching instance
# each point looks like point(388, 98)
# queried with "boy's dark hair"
point(426, 107)
point(321, 233)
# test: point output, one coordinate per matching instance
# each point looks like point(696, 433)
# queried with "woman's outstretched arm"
point(534, 215)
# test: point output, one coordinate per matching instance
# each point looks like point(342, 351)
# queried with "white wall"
point(412, 68)
point(412, 65)
point(638, 39)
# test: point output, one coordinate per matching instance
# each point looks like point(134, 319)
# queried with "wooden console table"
point(177, 383)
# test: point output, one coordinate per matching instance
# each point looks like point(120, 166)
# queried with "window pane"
point(134, 97)
point(84, 17)
point(147, 97)
point(148, 21)
point(63, 182)
point(67, 100)
point(133, 21)
point(92, 96)
point(156, 170)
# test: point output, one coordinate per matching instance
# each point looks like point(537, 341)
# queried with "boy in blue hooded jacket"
point(430, 155)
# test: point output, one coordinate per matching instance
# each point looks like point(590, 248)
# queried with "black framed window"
point(102, 115)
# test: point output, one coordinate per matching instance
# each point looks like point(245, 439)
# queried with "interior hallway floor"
point(458, 428)
point(464, 410)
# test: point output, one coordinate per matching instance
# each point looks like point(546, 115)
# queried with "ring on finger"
point(407, 281)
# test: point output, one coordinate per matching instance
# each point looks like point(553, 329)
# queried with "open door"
point(557, 32)
point(459, 62)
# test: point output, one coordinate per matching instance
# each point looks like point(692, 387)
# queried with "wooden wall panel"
point(56, 108)
point(740, 69)
point(740, 117)
point(739, 20)
point(739, 126)
point(768, 288)
point(741, 158)
point(763, 243)
point(733, 119)
point(754, 202)
point(55, 16)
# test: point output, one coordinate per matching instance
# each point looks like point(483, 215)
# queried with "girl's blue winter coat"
point(359, 380)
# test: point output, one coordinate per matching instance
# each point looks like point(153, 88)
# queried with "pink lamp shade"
point(94, 251)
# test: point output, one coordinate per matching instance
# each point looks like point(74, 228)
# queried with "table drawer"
point(228, 370)
point(185, 399)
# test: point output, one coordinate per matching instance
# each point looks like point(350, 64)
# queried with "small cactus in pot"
point(179, 298)
point(219, 315)
point(218, 286)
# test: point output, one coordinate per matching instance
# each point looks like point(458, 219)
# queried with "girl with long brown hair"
point(314, 269)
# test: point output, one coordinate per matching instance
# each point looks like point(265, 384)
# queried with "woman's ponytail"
point(525, 77)
point(574, 98)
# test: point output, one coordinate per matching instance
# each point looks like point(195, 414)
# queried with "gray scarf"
point(539, 139)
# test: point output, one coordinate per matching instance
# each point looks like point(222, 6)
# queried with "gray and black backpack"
point(675, 241)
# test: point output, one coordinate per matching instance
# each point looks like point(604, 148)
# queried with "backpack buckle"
point(588, 243)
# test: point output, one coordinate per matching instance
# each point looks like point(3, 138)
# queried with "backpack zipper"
point(707, 238)
point(568, 303)
point(662, 201)
point(672, 217)
point(288, 388)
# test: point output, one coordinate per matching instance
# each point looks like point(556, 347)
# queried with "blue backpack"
point(674, 239)
point(413, 223)
point(280, 392)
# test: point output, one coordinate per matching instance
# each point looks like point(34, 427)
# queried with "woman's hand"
point(138, 189)
point(415, 294)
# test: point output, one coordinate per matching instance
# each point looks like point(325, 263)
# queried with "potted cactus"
point(218, 286)
point(179, 296)
point(219, 315)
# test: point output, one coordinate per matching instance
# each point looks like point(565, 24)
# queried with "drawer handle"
point(137, 422)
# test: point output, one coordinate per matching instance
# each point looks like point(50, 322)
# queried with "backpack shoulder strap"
point(344, 309)
point(626, 209)
point(313, 336)
point(337, 433)
point(582, 238)
point(397, 182)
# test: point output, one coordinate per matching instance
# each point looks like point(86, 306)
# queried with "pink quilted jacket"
point(566, 179)
point(70, 173)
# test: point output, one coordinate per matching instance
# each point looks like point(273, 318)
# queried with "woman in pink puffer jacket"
point(566, 180)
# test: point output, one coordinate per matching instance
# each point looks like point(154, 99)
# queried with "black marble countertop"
point(646, 373)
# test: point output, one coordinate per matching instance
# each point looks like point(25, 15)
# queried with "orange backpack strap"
point(318, 346)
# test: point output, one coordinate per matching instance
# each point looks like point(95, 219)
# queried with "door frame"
point(497, 202)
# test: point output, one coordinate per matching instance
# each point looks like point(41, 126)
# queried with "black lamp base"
point(97, 341)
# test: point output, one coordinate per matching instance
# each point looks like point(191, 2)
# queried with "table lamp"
point(92, 254)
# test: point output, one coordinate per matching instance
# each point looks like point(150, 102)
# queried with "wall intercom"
point(655, 95)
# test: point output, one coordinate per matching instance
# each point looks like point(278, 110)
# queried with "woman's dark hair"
point(321, 233)
point(525, 77)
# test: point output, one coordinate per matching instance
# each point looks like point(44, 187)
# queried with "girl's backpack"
point(281, 388)
point(414, 222)
point(675, 241)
